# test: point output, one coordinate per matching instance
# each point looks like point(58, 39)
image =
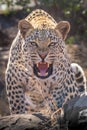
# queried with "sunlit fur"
point(39, 34)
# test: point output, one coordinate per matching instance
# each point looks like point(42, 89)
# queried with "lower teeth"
point(41, 75)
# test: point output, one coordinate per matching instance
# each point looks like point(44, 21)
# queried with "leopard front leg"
point(16, 99)
point(16, 78)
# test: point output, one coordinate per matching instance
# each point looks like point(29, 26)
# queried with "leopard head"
point(43, 47)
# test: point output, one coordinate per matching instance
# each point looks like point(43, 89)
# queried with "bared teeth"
point(46, 74)
point(48, 65)
point(41, 75)
point(43, 63)
point(43, 68)
point(37, 64)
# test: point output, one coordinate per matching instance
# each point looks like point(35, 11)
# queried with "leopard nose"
point(43, 56)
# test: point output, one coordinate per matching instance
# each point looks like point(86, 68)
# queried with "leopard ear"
point(63, 27)
point(24, 26)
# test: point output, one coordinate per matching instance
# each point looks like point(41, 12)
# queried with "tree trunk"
point(26, 122)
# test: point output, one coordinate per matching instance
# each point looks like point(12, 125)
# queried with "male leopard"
point(39, 65)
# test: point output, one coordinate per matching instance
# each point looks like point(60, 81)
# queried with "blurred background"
point(11, 11)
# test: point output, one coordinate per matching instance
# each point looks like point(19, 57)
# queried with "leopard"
point(39, 66)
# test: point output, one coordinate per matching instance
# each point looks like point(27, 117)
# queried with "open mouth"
point(43, 70)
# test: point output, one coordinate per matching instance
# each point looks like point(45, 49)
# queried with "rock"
point(25, 122)
point(75, 117)
point(76, 113)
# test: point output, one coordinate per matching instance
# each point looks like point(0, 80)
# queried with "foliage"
point(11, 6)
point(15, 2)
point(70, 40)
point(73, 10)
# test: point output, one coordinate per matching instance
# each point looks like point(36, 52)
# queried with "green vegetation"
point(70, 40)
point(73, 10)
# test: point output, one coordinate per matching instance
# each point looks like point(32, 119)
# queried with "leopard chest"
point(40, 86)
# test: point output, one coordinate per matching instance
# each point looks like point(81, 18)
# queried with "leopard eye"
point(52, 44)
point(34, 44)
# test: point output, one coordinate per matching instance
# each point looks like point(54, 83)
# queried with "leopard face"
point(44, 48)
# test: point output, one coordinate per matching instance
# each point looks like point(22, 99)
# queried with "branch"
point(35, 121)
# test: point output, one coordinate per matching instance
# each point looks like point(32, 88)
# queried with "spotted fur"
point(39, 65)
point(80, 77)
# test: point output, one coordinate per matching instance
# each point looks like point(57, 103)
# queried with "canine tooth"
point(46, 74)
point(48, 65)
point(39, 74)
point(37, 64)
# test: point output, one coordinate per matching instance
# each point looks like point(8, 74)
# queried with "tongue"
point(42, 68)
